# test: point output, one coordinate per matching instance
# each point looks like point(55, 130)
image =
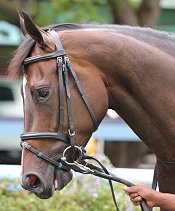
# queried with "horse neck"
point(121, 60)
point(133, 72)
point(153, 37)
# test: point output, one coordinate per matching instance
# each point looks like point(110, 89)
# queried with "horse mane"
point(144, 34)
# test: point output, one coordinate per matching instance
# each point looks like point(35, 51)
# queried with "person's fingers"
point(136, 200)
point(132, 189)
point(133, 195)
point(126, 190)
point(136, 204)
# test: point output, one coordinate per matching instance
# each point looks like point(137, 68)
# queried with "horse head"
point(61, 107)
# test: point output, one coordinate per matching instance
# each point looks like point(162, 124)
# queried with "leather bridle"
point(65, 70)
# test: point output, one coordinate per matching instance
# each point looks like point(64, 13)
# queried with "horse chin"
point(45, 195)
point(62, 178)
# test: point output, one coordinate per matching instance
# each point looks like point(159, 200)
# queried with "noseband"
point(64, 70)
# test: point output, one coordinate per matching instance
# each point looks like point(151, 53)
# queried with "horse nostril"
point(33, 181)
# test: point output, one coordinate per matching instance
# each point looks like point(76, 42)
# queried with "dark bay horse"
point(128, 69)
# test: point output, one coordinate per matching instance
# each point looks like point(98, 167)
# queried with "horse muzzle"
point(44, 187)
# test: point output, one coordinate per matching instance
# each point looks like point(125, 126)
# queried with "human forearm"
point(166, 201)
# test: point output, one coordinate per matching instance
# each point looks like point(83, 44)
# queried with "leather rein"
point(65, 70)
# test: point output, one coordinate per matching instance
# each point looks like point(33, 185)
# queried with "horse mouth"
point(61, 179)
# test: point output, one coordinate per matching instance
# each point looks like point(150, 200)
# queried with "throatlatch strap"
point(77, 83)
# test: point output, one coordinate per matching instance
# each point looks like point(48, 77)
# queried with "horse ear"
point(28, 27)
point(21, 21)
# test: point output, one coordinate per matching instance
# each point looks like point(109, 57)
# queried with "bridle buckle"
point(71, 133)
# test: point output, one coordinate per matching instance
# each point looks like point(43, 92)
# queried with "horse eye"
point(43, 93)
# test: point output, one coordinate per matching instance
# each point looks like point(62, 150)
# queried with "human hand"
point(140, 191)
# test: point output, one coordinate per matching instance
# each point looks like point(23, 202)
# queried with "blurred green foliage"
point(54, 11)
point(83, 193)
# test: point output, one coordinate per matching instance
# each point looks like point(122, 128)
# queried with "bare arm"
point(153, 198)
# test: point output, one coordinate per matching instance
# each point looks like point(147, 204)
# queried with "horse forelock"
point(15, 67)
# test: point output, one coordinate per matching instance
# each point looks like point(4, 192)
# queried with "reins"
point(80, 165)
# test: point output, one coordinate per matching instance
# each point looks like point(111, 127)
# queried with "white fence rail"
point(130, 174)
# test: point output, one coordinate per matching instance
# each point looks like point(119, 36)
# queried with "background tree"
point(143, 12)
